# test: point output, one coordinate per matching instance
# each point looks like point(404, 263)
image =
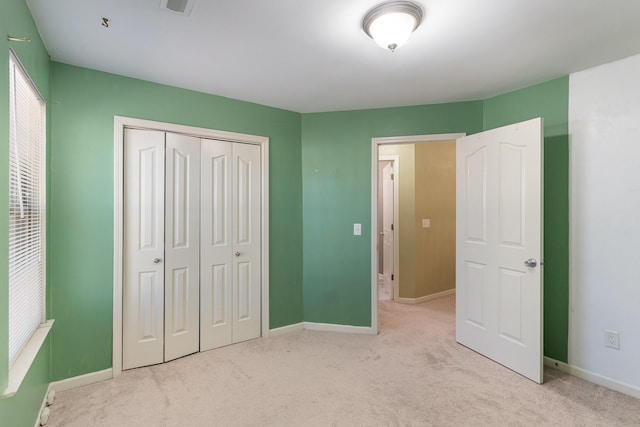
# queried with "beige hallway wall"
point(435, 199)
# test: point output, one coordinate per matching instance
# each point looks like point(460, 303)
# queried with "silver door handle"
point(237, 254)
point(156, 260)
point(531, 262)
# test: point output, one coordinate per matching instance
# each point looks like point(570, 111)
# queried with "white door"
point(246, 242)
point(216, 248)
point(161, 316)
point(143, 269)
point(387, 222)
point(499, 245)
point(182, 246)
point(230, 244)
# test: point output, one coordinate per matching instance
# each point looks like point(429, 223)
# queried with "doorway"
point(498, 242)
point(375, 158)
point(424, 224)
point(218, 141)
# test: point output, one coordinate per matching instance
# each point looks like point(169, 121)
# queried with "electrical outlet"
point(612, 339)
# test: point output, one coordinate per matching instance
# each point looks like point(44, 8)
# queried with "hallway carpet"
point(412, 374)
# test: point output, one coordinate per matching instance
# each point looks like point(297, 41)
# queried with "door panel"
point(216, 245)
point(243, 305)
point(475, 197)
point(475, 276)
point(511, 194)
point(511, 284)
point(499, 226)
point(246, 241)
point(219, 296)
point(180, 296)
point(143, 279)
point(243, 200)
point(182, 246)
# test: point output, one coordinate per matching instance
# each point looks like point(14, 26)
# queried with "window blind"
point(26, 209)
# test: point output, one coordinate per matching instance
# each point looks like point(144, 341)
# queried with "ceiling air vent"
point(181, 7)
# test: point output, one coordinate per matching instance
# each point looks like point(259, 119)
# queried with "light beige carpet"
point(411, 374)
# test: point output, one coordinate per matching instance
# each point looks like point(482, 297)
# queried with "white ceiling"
point(312, 55)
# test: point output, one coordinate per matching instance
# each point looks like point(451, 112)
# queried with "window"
point(26, 209)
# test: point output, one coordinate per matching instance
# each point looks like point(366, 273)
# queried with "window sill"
point(20, 368)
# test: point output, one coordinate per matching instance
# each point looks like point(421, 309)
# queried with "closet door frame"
point(121, 123)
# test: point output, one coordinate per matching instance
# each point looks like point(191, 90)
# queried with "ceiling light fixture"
point(391, 24)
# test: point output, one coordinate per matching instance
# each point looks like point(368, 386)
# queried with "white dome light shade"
point(391, 24)
point(392, 30)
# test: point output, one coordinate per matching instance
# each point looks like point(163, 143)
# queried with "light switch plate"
point(357, 229)
point(426, 223)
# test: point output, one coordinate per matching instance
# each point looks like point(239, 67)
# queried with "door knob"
point(237, 254)
point(531, 262)
point(156, 260)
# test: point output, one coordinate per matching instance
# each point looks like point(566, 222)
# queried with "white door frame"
point(375, 143)
point(119, 124)
point(395, 160)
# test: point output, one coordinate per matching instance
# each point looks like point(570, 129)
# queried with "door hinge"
point(392, 175)
point(391, 276)
point(391, 227)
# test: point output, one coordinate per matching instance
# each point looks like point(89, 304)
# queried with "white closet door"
point(182, 246)
point(246, 242)
point(143, 287)
point(230, 243)
point(216, 245)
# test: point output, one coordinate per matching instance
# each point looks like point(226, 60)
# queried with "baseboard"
point(330, 327)
point(327, 327)
point(426, 298)
point(286, 329)
point(81, 380)
point(593, 377)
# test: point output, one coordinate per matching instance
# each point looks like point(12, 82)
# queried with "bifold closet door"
point(230, 283)
point(143, 275)
point(161, 247)
point(182, 247)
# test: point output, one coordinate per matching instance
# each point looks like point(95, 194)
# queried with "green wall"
point(549, 100)
point(81, 231)
point(15, 19)
point(336, 173)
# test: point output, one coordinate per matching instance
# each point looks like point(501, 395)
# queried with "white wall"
point(604, 129)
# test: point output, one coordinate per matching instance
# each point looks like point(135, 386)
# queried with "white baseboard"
point(330, 327)
point(327, 327)
point(81, 380)
point(286, 329)
point(593, 377)
point(426, 298)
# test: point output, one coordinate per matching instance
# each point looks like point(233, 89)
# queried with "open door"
point(499, 245)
